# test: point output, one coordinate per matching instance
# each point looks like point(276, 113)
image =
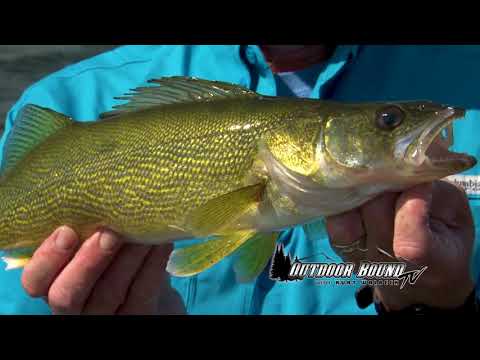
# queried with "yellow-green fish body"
point(138, 173)
point(193, 158)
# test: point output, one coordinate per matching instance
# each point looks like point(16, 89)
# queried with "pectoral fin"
point(215, 216)
point(253, 256)
point(194, 259)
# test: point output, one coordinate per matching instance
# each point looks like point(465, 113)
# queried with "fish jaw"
point(427, 152)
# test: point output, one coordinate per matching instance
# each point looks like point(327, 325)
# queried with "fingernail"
point(108, 241)
point(64, 240)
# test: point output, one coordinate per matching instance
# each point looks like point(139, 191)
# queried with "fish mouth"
point(429, 152)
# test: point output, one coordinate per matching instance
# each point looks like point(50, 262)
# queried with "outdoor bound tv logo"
point(368, 273)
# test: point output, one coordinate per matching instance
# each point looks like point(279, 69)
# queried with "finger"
point(412, 235)
point(451, 223)
point(346, 235)
point(450, 205)
point(152, 286)
point(48, 260)
point(111, 289)
point(72, 287)
point(378, 219)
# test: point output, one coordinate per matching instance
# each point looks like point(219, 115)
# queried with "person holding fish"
point(174, 200)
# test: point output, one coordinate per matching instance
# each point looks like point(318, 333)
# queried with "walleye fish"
point(188, 158)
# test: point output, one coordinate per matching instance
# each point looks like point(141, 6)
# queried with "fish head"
point(397, 143)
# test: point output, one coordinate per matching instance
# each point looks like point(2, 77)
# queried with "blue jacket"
point(446, 74)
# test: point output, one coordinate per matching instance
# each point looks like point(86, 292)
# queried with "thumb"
point(412, 238)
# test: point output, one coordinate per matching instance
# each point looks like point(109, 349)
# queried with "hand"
point(101, 276)
point(427, 225)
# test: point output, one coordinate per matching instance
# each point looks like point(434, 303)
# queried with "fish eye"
point(390, 117)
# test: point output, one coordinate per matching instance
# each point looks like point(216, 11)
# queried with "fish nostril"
point(444, 134)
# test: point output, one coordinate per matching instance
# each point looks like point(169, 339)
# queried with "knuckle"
point(417, 254)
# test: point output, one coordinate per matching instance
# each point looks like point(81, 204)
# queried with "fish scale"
point(195, 158)
point(150, 150)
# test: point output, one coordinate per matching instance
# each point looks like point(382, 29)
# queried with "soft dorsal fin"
point(32, 126)
point(177, 89)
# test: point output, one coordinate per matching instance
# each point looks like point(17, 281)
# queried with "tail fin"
point(15, 259)
point(32, 126)
point(14, 263)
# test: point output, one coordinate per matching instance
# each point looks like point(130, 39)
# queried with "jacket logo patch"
point(471, 184)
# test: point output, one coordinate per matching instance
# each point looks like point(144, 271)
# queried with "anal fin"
point(253, 256)
point(194, 259)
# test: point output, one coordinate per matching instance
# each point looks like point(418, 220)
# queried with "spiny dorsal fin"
point(177, 89)
point(32, 126)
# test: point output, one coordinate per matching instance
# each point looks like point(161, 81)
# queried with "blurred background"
point(22, 65)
